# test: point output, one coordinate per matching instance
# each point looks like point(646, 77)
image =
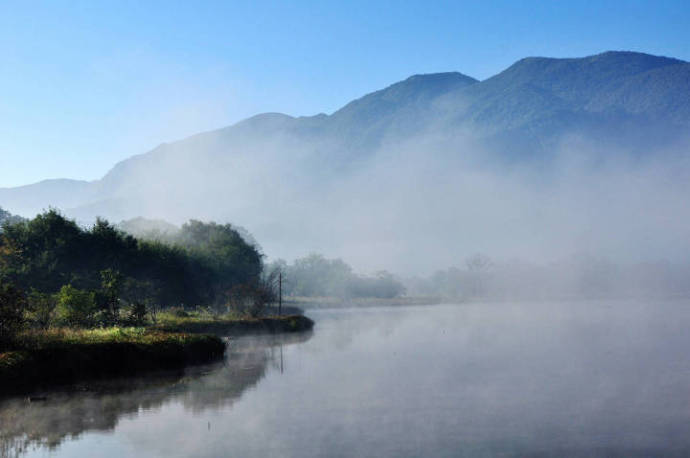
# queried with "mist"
point(548, 161)
point(416, 205)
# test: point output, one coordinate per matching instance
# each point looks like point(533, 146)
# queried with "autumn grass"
point(68, 336)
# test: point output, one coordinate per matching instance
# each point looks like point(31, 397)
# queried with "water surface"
point(520, 379)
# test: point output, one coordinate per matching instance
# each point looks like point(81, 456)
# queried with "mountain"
point(33, 198)
point(620, 95)
point(266, 171)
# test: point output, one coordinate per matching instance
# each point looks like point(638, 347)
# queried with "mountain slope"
point(396, 110)
point(33, 198)
point(611, 97)
point(619, 100)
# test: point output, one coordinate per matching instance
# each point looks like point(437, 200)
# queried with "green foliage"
point(76, 307)
point(44, 252)
point(231, 323)
point(41, 309)
point(180, 313)
point(73, 337)
point(7, 218)
point(12, 305)
point(249, 299)
point(198, 266)
point(225, 258)
point(111, 290)
point(137, 314)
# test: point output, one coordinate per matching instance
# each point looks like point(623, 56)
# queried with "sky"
point(86, 84)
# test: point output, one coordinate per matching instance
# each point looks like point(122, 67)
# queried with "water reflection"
point(509, 379)
point(99, 405)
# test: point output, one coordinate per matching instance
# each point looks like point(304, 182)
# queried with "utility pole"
point(280, 293)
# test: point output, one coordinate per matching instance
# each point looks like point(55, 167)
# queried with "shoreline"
point(57, 357)
point(242, 326)
point(62, 361)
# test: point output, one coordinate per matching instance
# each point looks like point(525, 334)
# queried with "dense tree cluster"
point(316, 276)
point(81, 276)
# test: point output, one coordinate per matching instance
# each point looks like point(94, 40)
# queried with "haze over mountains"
point(547, 158)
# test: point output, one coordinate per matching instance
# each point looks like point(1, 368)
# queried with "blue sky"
point(86, 84)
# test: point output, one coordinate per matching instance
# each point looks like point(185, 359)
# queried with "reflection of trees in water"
point(69, 413)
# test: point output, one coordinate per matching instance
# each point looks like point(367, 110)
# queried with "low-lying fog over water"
point(486, 379)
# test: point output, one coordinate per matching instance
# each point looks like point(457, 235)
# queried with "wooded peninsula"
point(94, 302)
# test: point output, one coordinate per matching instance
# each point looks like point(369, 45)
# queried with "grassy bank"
point(63, 356)
point(178, 338)
point(231, 324)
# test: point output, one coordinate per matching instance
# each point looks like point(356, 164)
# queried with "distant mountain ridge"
point(626, 99)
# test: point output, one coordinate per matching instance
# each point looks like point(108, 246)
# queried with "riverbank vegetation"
point(55, 273)
point(231, 323)
point(96, 301)
point(199, 267)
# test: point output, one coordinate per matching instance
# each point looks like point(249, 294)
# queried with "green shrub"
point(137, 314)
point(180, 313)
point(76, 307)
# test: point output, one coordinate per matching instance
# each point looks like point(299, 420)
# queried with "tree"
point(383, 285)
point(42, 308)
point(195, 267)
point(111, 289)
point(8, 218)
point(225, 259)
point(314, 275)
point(478, 263)
point(12, 306)
point(45, 252)
point(75, 307)
point(142, 296)
point(477, 266)
point(252, 298)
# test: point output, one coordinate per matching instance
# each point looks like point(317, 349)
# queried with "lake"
point(494, 379)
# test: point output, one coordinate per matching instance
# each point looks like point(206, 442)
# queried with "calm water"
point(567, 379)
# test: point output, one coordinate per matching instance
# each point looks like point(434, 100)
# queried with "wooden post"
point(280, 294)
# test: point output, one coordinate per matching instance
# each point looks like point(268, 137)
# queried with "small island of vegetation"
point(93, 302)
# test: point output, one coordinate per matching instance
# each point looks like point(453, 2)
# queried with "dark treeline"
point(316, 276)
point(64, 271)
